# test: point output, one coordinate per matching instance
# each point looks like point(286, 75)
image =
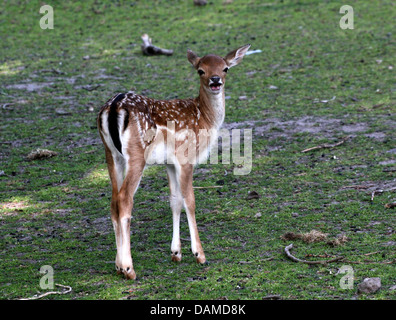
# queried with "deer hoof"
point(200, 258)
point(128, 272)
point(176, 256)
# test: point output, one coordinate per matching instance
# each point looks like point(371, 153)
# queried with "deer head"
point(213, 69)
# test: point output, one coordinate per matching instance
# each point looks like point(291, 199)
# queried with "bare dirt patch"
point(320, 127)
point(30, 86)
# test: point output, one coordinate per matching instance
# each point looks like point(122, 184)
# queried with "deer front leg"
point(176, 204)
point(196, 246)
point(189, 206)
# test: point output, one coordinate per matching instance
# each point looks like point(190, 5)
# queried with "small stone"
point(252, 195)
point(62, 112)
point(369, 285)
point(257, 215)
point(295, 214)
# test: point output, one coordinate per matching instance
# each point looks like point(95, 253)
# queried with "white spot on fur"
point(141, 133)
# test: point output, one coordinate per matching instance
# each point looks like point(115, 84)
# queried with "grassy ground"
point(313, 83)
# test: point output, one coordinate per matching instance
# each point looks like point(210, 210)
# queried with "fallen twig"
point(293, 258)
point(310, 255)
point(53, 70)
point(380, 191)
point(374, 192)
point(5, 106)
point(69, 289)
point(327, 146)
point(267, 259)
point(149, 49)
point(371, 253)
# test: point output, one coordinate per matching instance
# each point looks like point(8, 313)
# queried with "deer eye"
point(201, 72)
point(225, 70)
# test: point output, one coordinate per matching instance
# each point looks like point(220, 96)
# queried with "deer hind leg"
point(186, 187)
point(124, 208)
point(116, 168)
point(176, 204)
point(123, 190)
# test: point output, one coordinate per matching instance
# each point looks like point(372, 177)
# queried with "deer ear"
point(235, 56)
point(193, 58)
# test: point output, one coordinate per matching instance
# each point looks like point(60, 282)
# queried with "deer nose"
point(215, 79)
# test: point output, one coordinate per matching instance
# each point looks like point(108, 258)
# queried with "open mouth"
point(215, 86)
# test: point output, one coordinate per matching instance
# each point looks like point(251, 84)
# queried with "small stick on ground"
point(326, 146)
point(267, 259)
point(53, 70)
point(293, 258)
point(5, 106)
point(69, 289)
point(149, 49)
point(380, 191)
point(371, 253)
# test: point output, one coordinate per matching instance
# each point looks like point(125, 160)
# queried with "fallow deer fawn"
point(137, 130)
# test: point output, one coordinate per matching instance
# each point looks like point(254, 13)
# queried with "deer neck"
point(212, 107)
